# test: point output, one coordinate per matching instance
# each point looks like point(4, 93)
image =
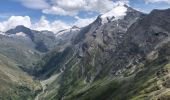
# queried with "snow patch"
point(118, 12)
point(21, 34)
point(67, 31)
point(2, 33)
point(62, 32)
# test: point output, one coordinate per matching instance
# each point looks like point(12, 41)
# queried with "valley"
point(123, 57)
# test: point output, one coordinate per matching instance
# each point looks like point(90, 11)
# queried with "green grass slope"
point(14, 83)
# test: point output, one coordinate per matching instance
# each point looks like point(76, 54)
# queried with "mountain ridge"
point(120, 50)
point(122, 59)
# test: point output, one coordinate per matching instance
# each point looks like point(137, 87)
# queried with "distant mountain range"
point(123, 56)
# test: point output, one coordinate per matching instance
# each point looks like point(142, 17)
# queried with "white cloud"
point(58, 25)
point(59, 11)
point(1, 27)
point(65, 7)
point(81, 22)
point(55, 26)
point(70, 4)
point(42, 24)
point(157, 1)
point(34, 4)
point(14, 21)
point(73, 7)
point(100, 6)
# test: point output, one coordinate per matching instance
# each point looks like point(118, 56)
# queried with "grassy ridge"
point(14, 83)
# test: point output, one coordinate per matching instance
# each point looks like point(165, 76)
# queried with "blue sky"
point(69, 11)
point(13, 8)
point(147, 7)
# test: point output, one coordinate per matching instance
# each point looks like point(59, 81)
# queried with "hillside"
point(123, 56)
point(116, 57)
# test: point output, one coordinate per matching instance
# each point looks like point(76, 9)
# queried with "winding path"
point(44, 84)
point(48, 81)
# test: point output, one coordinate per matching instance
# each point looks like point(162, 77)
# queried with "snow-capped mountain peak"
point(117, 12)
point(21, 34)
point(70, 30)
point(2, 33)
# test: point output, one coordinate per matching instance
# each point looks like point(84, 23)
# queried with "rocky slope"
point(122, 59)
point(117, 57)
point(21, 48)
point(15, 84)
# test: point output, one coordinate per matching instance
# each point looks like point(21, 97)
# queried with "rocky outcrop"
point(134, 47)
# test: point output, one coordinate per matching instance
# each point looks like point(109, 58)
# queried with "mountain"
point(15, 84)
point(67, 35)
point(121, 59)
point(89, 58)
point(43, 42)
point(120, 56)
point(21, 48)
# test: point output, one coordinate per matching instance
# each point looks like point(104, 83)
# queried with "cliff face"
point(123, 57)
point(126, 58)
point(101, 43)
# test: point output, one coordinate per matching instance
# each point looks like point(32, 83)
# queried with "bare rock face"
point(114, 49)
point(150, 30)
point(41, 41)
point(142, 38)
point(98, 45)
point(100, 42)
